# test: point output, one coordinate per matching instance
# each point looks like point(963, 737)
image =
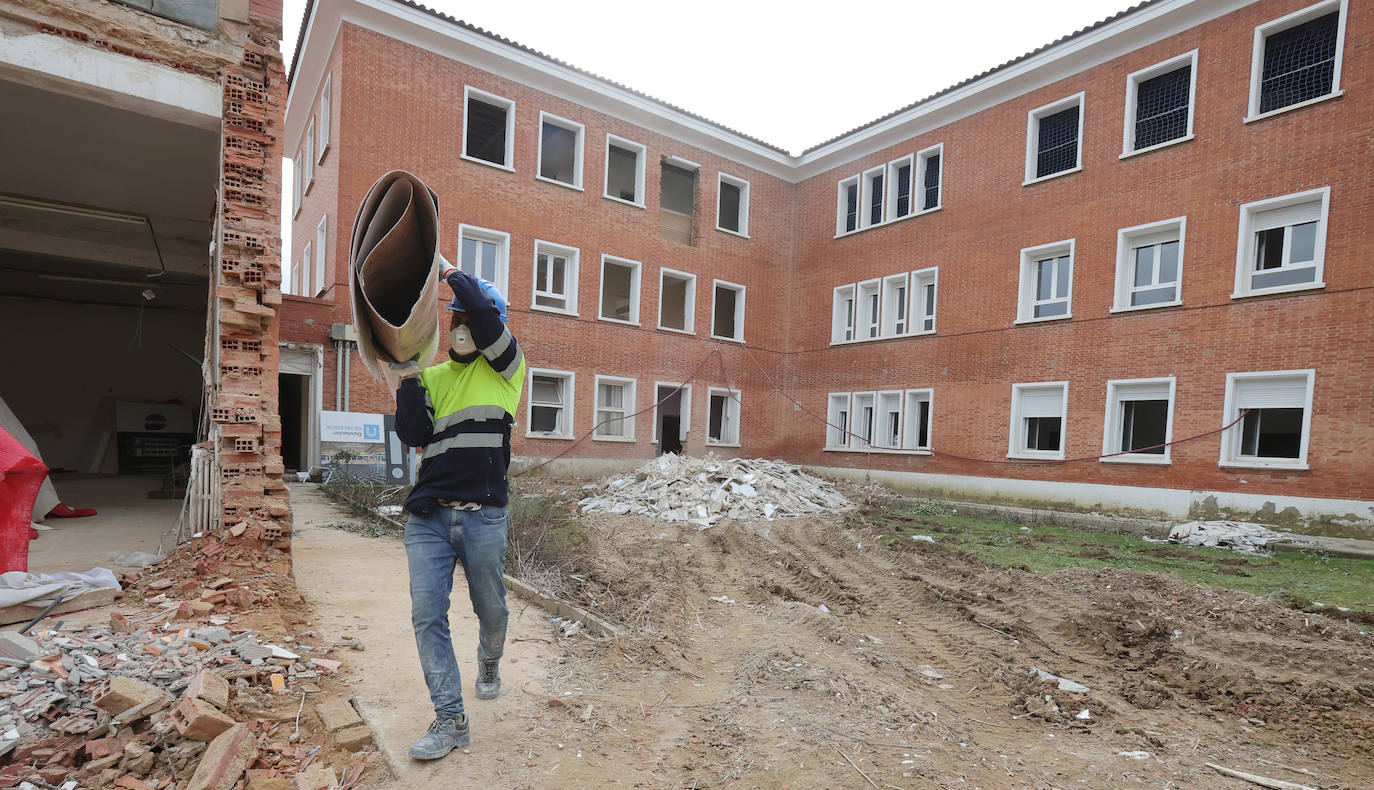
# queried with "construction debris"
point(1235, 535)
point(702, 491)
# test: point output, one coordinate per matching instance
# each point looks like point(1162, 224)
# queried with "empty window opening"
point(723, 417)
point(727, 313)
point(1143, 426)
point(1299, 63)
point(625, 171)
point(560, 150)
point(837, 415)
point(1161, 107)
point(1271, 433)
point(670, 417)
point(487, 130)
point(677, 203)
point(1042, 433)
point(677, 295)
point(917, 428)
point(732, 205)
point(619, 290)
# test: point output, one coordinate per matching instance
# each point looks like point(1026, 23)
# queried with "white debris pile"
point(703, 491)
point(1235, 535)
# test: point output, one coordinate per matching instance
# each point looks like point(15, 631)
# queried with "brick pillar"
point(244, 321)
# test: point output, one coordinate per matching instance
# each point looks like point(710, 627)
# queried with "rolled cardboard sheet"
point(393, 273)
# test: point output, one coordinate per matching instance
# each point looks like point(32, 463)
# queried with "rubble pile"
point(1235, 535)
point(180, 698)
point(702, 491)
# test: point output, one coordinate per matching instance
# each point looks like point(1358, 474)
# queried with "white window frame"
point(1245, 243)
point(578, 155)
point(1279, 25)
point(881, 409)
point(308, 178)
point(1033, 136)
point(691, 300)
point(888, 304)
point(837, 436)
point(1231, 437)
point(1127, 240)
point(922, 157)
point(470, 93)
point(868, 323)
point(919, 279)
point(289, 278)
point(732, 407)
point(1133, 81)
point(636, 288)
point(910, 434)
point(502, 241)
point(725, 178)
point(570, 277)
point(643, 154)
point(739, 309)
point(1016, 440)
point(840, 206)
point(1111, 424)
point(686, 412)
point(1025, 309)
point(840, 323)
point(326, 103)
point(628, 421)
point(857, 401)
point(296, 175)
point(569, 391)
point(890, 198)
point(866, 197)
point(303, 280)
point(321, 239)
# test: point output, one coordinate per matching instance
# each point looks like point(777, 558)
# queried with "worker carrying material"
point(460, 412)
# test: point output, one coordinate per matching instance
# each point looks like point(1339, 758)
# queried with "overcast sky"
point(762, 68)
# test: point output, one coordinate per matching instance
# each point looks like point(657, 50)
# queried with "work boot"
point(488, 679)
point(444, 736)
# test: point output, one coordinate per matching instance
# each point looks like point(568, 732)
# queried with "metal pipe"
point(338, 375)
point(348, 370)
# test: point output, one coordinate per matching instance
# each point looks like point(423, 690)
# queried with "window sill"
point(1052, 176)
point(558, 436)
point(556, 182)
point(621, 439)
point(1138, 308)
point(1289, 108)
point(623, 201)
point(1294, 466)
point(617, 321)
point(1043, 320)
point(740, 233)
point(710, 443)
point(553, 310)
point(885, 223)
point(1030, 455)
point(727, 339)
point(691, 332)
point(886, 337)
point(1157, 146)
point(323, 151)
point(494, 165)
point(882, 450)
point(1283, 289)
point(1138, 459)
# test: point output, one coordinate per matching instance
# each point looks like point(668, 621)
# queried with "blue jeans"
point(435, 543)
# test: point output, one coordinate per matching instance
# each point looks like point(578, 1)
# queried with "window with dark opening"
point(1143, 426)
point(728, 212)
point(486, 132)
point(903, 190)
point(1161, 108)
point(931, 185)
point(1056, 147)
point(1272, 433)
point(728, 314)
point(622, 173)
point(851, 215)
point(1042, 433)
point(722, 418)
point(558, 153)
point(676, 202)
point(875, 199)
point(1299, 63)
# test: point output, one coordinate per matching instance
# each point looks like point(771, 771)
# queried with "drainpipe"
point(348, 370)
point(338, 375)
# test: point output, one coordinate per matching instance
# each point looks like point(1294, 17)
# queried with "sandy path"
point(357, 586)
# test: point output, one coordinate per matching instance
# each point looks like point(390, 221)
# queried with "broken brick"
point(353, 738)
point(336, 714)
point(118, 694)
point(209, 686)
point(198, 720)
point(225, 760)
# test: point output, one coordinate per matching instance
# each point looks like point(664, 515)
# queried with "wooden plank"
point(22, 613)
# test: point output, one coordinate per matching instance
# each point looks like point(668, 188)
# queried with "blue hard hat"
point(494, 295)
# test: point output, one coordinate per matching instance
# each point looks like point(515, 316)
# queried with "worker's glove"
point(404, 370)
point(445, 268)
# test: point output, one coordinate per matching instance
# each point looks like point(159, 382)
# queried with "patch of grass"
point(368, 529)
point(1301, 579)
point(547, 544)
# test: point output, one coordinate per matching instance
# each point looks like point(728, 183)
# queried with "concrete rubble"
point(1235, 535)
point(702, 491)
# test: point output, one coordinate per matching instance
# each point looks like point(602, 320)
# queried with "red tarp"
point(20, 476)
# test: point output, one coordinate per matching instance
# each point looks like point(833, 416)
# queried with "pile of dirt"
point(702, 491)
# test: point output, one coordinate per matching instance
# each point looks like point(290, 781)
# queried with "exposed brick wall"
point(398, 106)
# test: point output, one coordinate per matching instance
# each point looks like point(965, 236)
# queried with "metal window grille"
point(1056, 148)
point(1299, 63)
point(903, 190)
point(851, 215)
point(1161, 108)
point(931, 183)
point(875, 208)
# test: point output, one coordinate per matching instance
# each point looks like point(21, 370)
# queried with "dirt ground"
point(800, 654)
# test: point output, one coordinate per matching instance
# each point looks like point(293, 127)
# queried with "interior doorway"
point(298, 394)
point(672, 414)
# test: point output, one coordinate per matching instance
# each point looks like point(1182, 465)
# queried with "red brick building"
point(1127, 270)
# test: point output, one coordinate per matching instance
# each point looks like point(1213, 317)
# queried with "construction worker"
point(460, 412)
